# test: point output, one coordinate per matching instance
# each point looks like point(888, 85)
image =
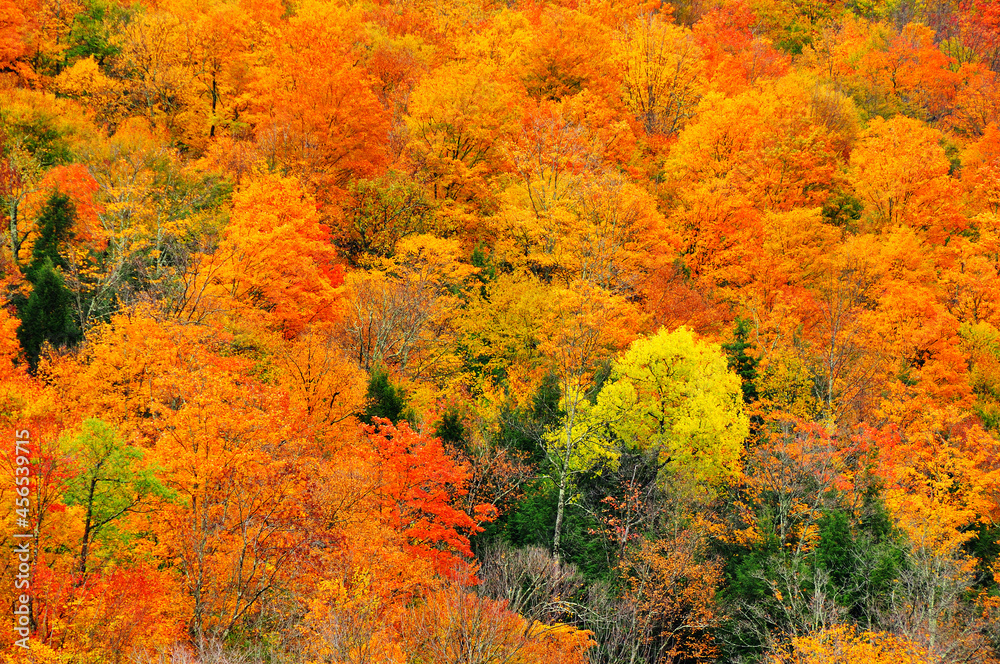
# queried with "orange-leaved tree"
point(244, 479)
point(901, 173)
point(312, 105)
point(275, 262)
point(843, 645)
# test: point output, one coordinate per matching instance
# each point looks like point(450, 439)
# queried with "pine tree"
point(54, 226)
point(450, 429)
point(384, 399)
point(739, 361)
point(46, 313)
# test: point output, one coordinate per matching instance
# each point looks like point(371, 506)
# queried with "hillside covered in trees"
point(538, 331)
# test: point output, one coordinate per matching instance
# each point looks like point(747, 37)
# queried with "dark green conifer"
point(741, 362)
point(384, 399)
point(54, 227)
point(46, 313)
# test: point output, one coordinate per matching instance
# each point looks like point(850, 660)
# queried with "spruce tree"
point(739, 361)
point(54, 227)
point(46, 313)
point(384, 399)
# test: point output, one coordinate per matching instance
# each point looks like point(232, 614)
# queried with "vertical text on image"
point(23, 536)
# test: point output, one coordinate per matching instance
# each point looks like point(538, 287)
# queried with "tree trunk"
point(566, 455)
point(85, 546)
point(560, 508)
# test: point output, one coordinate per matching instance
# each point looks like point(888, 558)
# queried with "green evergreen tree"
point(46, 314)
point(450, 429)
point(480, 259)
point(384, 399)
point(739, 361)
point(545, 403)
point(54, 227)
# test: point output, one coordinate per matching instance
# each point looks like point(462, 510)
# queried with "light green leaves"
point(675, 395)
point(578, 443)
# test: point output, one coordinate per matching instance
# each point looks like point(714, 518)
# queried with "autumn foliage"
point(506, 333)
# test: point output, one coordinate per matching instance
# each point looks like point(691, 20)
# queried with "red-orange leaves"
point(127, 610)
point(453, 625)
point(314, 109)
point(13, 26)
point(277, 257)
point(900, 172)
point(566, 54)
point(417, 484)
point(735, 58)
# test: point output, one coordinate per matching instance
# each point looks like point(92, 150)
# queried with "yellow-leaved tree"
point(674, 394)
point(844, 644)
point(671, 395)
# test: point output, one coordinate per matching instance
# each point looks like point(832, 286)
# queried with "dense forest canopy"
point(538, 331)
